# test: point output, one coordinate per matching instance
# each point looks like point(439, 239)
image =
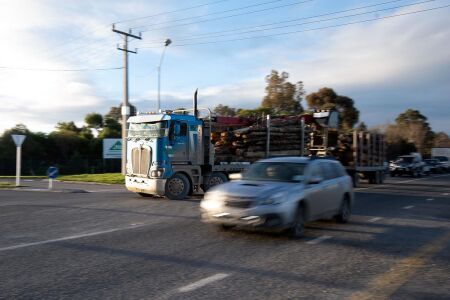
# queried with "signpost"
point(52, 172)
point(18, 140)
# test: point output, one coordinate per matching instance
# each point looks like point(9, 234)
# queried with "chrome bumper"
point(145, 185)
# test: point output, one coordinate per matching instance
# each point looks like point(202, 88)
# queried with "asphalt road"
point(102, 242)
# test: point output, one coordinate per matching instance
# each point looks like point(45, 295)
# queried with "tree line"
point(74, 149)
point(78, 149)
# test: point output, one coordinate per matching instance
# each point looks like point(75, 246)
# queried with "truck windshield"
point(148, 130)
point(275, 171)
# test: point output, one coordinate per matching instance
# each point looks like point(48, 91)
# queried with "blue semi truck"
point(171, 154)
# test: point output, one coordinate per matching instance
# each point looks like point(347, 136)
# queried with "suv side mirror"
point(315, 180)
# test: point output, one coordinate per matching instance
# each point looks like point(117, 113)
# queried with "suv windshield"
point(275, 171)
point(148, 130)
point(405, 159)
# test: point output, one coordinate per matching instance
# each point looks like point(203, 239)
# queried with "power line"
point(211, 35)
point(211, 14)
point(170, 12)
point(230, 16)
point(59, 70)
point(306, 30)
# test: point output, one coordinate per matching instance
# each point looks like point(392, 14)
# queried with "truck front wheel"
point(177, 187)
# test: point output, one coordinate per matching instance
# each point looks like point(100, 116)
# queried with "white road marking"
point(445, 194)
point(202, 282)
point(408, 207)
point(375, 219)
point(319, 239)
point(430, 199)
point(404, 181)
point(72, 237)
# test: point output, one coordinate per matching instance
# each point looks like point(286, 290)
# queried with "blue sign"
point(52, 172)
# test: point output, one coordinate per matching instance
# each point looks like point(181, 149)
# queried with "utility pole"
point(125, 107)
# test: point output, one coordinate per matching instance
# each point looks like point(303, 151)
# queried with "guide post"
point(18, 140)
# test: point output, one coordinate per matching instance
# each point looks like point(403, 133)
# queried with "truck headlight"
point(157, 173)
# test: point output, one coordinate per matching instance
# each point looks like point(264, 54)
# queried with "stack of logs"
point(249, 143)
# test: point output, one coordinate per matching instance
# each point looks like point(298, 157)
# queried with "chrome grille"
point(140, 160)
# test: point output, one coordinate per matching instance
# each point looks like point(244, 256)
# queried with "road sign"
point(18, 139)
point(52, 172)
point(112, 148)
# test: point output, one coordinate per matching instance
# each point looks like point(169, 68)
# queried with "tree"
point(441, 139)
point(111, 129)
point(258, 112)
point(415, 129)
point(115, 112)
point(361, 126)
point(327, 98)
point(94, 120)
point(283, 97)
point(67, 126)
point(225, 110)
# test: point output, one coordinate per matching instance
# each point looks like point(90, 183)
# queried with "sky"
point(388, 59)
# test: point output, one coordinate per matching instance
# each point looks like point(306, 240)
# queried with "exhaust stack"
point(195, 104)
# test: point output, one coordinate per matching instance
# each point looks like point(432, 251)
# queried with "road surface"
point(87, 241)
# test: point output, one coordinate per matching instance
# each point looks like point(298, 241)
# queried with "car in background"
point(281, 193)
point(444, 162)
point(434, 166)
point(407, 165)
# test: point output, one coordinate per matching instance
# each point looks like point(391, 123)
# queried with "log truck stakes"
point(177, 153)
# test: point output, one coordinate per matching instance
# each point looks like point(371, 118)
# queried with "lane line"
point(408, 207)
point(319, 239)
point(375, 219)
point(67, 238)
point(404, 181)
point(386, 284)
point(445, 194)
point(202, 282)
point(430, 199)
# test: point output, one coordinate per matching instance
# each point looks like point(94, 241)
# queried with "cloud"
point(386, 66)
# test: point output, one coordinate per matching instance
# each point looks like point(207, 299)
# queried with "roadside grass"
point(111, 178)
point(21, 176)
point(5, 185)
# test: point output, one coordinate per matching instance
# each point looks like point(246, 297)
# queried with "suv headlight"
point(212, 200)
point(275, 199)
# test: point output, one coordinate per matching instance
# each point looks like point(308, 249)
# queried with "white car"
point(282, 193)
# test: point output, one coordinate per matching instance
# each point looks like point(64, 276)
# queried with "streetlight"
point(166, 43)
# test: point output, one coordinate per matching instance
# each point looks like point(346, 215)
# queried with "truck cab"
point(171, 154)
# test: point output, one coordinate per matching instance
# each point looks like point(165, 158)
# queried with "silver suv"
point(281, 193)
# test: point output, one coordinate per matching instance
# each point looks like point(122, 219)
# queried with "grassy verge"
point(26, 177)
point(6, 185)
point(112, 178)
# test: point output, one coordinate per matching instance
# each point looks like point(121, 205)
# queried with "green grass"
point(26, 177)
point(112, 178)
point(6, 185)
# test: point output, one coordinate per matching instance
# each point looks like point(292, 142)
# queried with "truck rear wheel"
point(216, 178)
point(177, 187)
